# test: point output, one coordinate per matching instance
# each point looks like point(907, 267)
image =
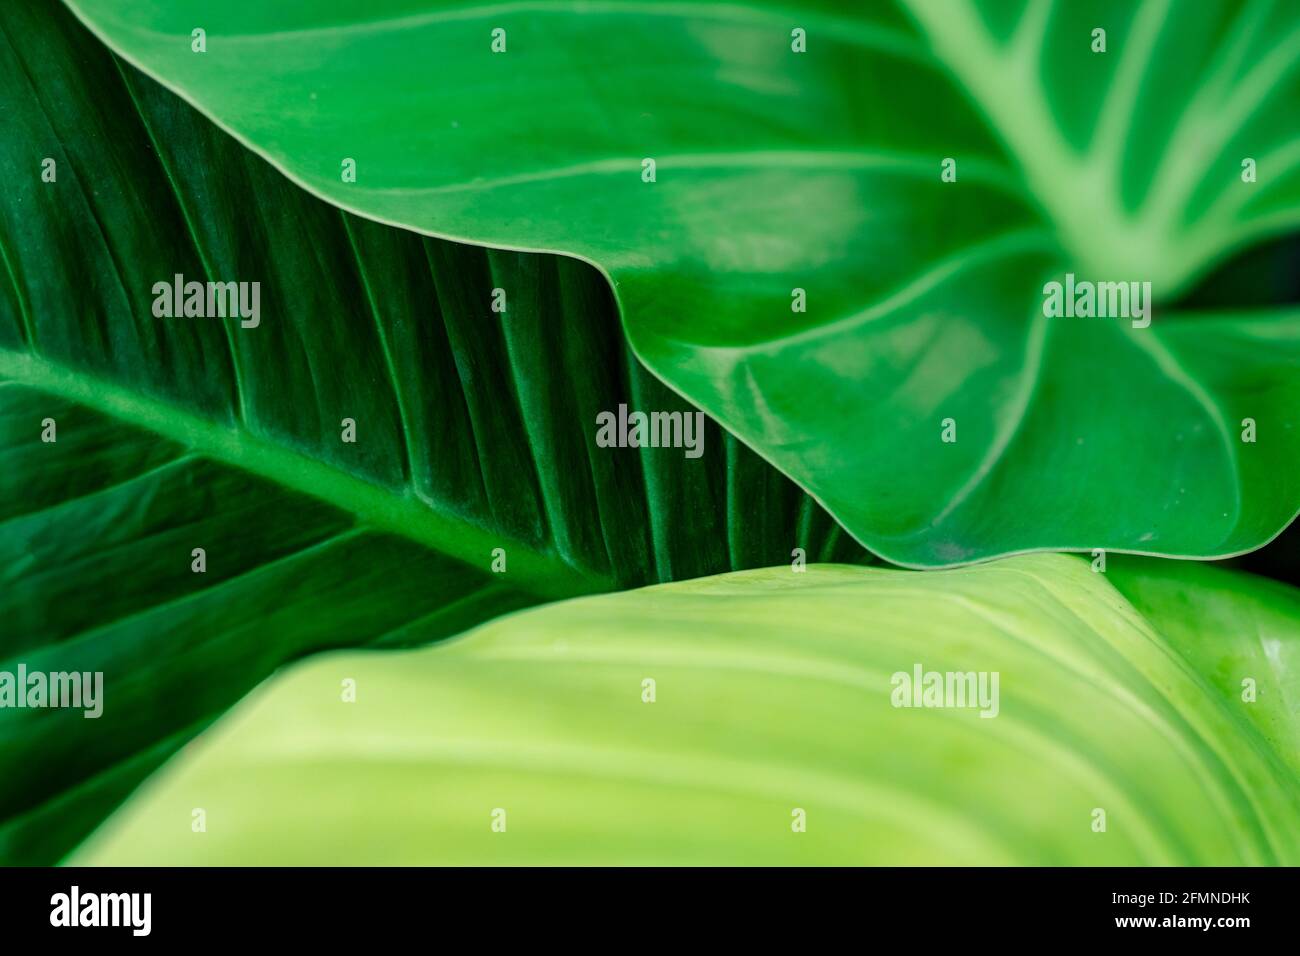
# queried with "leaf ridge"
point(538, 571)
point(408, 463)
point(208, 271)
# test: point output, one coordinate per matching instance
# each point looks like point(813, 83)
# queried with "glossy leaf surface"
point(778, 170)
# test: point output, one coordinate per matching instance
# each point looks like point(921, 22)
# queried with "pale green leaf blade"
point(773, 693)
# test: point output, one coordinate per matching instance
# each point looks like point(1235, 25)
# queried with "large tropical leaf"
point(774, 693)
point(474, 431)
point(780, 170)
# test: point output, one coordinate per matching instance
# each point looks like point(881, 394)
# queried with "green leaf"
point(475, 431)
point(774, 692)
point(778, 170)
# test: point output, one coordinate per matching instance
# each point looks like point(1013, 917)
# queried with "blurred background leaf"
point(772, 694)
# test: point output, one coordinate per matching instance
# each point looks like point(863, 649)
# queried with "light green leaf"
point(774, 693)
point(475, 431)
point(779, 170)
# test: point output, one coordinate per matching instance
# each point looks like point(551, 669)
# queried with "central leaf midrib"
point(403, 513)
